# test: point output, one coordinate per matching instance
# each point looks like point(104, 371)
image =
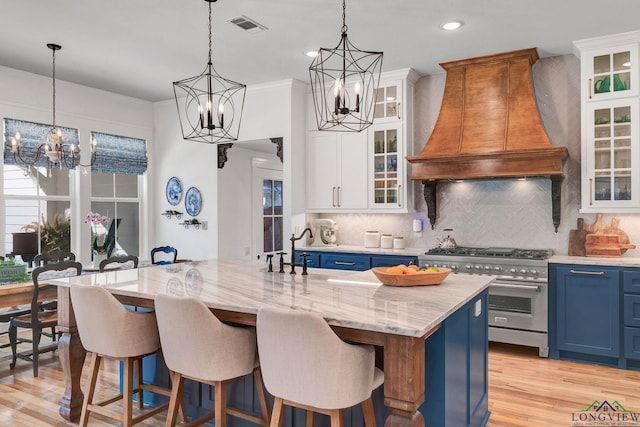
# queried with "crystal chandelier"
point(344, 81)
point(209, 106)
point(57, 151)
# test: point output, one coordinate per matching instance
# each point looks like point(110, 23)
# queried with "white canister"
point(386, 241)
point(371, 239)
point(398, 243)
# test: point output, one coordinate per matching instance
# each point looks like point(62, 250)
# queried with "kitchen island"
point(431, 338)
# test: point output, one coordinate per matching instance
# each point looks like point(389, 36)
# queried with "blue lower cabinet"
point(632, 343)
point(313, 260)
point(456, 369)
point(345, 261)
point(391, 260)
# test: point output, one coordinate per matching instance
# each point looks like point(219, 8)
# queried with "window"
point(272, 215)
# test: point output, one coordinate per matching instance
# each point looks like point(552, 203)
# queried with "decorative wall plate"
point(193, 201)
point(174, 191)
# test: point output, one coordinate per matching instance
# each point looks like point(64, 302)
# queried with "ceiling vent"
point(248, 24)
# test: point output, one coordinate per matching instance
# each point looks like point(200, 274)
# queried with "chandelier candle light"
point(222, 98)
point(55, 148)
point(344, 81)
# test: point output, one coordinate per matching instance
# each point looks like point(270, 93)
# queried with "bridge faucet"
point(293, 247)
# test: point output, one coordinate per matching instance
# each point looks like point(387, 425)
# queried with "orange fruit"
point(394, 270)
point(413, 267)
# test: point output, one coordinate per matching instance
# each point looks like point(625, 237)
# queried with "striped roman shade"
point(119, 154)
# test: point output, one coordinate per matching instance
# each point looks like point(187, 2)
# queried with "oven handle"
point(535, 288)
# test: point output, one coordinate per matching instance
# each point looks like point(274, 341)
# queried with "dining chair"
point(158, 258)
point(306, 365)
point(109, 331)
point(41, 315)
point(118, 259)
point(54, 256)
point(198, 346)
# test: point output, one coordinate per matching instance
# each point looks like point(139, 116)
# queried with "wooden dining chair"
point(118, 259)
point(41, 314)
point(156, 254)
point(54, 256)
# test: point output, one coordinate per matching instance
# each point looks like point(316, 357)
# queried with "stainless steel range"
point(519, 296)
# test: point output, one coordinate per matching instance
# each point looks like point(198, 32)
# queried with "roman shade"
point(119, 154)
point(31, 136)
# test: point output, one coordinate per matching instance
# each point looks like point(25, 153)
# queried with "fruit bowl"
point(420, 278)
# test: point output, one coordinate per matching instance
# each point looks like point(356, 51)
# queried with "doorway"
point(267, 208)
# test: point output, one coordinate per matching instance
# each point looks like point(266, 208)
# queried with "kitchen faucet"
point(293, 247)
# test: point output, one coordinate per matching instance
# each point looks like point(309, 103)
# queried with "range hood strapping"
point(489, 127)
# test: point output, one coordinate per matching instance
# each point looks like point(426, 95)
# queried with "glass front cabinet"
point(387, 183)
point(610, 123)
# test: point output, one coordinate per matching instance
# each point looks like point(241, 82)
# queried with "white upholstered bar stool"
point(306, 365)
point(198, 346)
point(109, 330)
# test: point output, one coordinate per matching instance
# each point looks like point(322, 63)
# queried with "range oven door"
point(518, 304)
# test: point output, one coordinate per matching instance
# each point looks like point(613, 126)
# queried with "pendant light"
point(58, 152)
point(344, 81)
point(209, 106)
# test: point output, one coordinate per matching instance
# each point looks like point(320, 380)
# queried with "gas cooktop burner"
point(493, 252)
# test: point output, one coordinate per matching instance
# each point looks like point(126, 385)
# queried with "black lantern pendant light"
point(344, 81)
point(209, 106)
point(58, 152)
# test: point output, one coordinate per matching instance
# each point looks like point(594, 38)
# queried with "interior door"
point(267, 207)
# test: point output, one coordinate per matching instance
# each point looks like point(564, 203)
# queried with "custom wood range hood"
point(489, 127)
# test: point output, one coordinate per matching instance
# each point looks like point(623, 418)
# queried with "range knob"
point(487, 267)
point(513, 271)
point(534, 272)
point(478, 267)
point(497, 268)
point(444, 266)
point(523, 271)
point(454, 268)
point(468, 267)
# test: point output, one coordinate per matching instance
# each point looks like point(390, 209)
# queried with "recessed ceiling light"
point(452, 25)
point(311, 53)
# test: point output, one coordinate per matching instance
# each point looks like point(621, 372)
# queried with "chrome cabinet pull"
point(399, 194)
point(589, 88)
point(398, 107)
point(590, 191)
point(333, 197)
point(344, 263)
point(588, 273)
point(338, 196)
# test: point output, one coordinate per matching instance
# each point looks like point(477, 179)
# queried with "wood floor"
point(524, 390)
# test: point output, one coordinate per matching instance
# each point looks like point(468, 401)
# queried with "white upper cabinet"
point(368, 170)
point(610, 121)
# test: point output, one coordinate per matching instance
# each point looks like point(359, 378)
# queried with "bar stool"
point(198, 346)
point(109, 330)
point(306, 365)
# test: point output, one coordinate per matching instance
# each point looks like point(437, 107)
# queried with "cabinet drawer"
point(632, 310)
point(391, 260)
point(632, 343)
point(631, 281)
point(346, 262)
point(313, 260)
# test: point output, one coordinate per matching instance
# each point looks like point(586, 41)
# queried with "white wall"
point(27, 96)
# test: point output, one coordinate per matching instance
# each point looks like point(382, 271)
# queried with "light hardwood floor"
point(524, 390)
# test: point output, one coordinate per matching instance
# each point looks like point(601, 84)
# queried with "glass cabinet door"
point(386, 176)
point(387, 102)
point(612, 73)
point(614, 133)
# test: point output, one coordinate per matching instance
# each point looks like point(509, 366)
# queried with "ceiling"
point(139, 47)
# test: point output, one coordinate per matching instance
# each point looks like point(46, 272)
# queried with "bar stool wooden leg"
point(369, 414)
point(88, 398)
point(262, 396)
point(139, 382)
point(278, 412)
point(127, 393)
point(336, 417)
point(311, 418)
point(220, 404)
point(176, 400)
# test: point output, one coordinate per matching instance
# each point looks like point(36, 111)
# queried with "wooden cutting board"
point(606, 245)
point(577, 240)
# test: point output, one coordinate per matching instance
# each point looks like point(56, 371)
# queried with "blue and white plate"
point(193, 201)
point(174, 191)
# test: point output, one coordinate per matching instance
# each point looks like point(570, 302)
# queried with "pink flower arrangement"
point(96, 219)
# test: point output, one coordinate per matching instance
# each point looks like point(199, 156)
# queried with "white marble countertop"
point(349, 299)
point(363, 250)
point(614, 262)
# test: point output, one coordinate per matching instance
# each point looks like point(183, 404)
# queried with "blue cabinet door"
point(346, 261)
point(313, 260)
point(588, 310)
point(391, 260)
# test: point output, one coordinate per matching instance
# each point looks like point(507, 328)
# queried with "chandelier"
point(209, 106)
point(344, 81)
point(57, 151)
